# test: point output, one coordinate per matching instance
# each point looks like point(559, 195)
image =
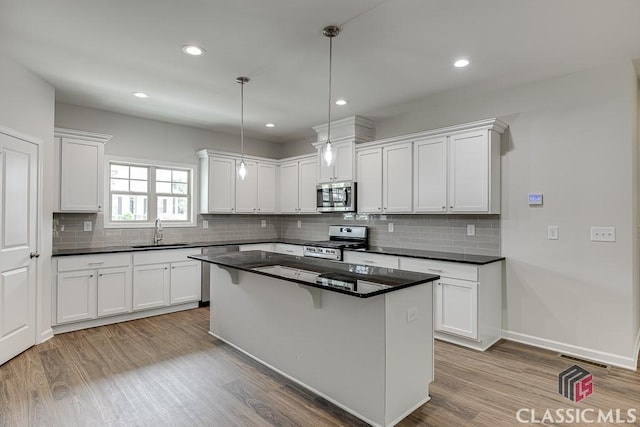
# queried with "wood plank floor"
point(167, 371)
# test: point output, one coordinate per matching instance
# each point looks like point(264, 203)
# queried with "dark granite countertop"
point(116, 249)
point(361, 281)
point(435, 255)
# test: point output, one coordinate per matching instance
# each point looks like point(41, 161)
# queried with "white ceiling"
point(96, 52)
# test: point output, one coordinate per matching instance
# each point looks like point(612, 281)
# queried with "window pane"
point(139, 173)
point(163, 187)
point(128, 208)
point(119, 185)
point(163, 175)
point(180, 176)
point(119, 171)
point(138, 186)
point(173, 208)
point(179, 188)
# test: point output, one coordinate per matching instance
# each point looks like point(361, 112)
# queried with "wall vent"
point(585, 361)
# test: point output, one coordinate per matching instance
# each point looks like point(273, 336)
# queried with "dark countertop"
point(361, 281)
point(435, 255)
point(116, 249)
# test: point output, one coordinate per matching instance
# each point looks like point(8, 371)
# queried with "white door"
point(307, 186)
point(469, 172)
point(18, 229)
point(397, 178)
point(185, 282)
point(81, 175)
point(289, 187)
point(114, 291)
point(76, 296)
point(430, 175)
point(247, 189)
point(266, 188)
point(343, 170)
point(456, 307)
point(151, 286)
point(369, 170)
point(222, 185)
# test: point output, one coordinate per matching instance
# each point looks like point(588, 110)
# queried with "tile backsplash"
point(430, 232)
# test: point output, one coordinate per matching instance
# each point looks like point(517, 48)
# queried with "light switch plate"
point(412, 314)
point(553, 232)
point(390, 226)
point(299, 224)
point(87, 226)
point(205, 224)
point(471, 230)
point(603, 234)
point(263, 223)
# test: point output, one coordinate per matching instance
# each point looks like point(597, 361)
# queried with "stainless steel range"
point(340, 237)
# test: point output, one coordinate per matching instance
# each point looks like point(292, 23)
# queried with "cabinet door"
point(81, 175)
point(289, 181)
point(266, 188)
point(456, 307)
point(287, 249)
point(343, 168)
point(114, 291)
point(247, 189)
point(308, 177)
point(221, 192)
point(325, 173)
point(369, 167)
point(430, 175)
point(469, 172)
point(151, 286)
point(76, 296)
point(397, 178)
point(185, 282)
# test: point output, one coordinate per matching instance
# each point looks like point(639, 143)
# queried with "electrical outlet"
point(205, 224)
point(471, 230)
point(299, 224)
point(263, 223)
point(390, 227)
point(412, 314)
point(62, 227)
point(603, 234)
point(383, 217)
point(553, 232)
point(87, 226)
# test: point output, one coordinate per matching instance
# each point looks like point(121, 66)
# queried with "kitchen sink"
point(160, 245)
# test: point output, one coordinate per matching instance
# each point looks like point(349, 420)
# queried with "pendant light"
point(242, 169)
point(328, 153)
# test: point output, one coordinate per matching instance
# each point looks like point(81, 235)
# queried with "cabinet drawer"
point(84, 262)
point(267, 247)
point(284, 248)
point(377, 260)
point(164, 256)
point(454, 270)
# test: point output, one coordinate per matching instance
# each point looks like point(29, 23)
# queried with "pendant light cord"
point(330, 63)
point(242, 119)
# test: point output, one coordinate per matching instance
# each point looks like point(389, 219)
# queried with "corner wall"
point(26, 105)
point(573, 138)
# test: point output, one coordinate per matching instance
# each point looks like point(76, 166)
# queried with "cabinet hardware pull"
point(100, 275)
point(437, 270)
point(34, 255)
point(91, 275)
point(369, 261)
point(95, 263)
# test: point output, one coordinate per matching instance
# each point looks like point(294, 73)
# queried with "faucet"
point(157, 232)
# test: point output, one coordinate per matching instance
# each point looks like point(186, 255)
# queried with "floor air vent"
point(585, 361)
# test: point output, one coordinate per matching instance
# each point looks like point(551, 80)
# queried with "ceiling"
point(96, 53)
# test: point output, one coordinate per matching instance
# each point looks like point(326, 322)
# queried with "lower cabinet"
point(151, 286)
point(114, 291)
point(456, 307)
point(76, 296)
point(185, 281)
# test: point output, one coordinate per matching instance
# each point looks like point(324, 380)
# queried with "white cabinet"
point(366, 258)
point(92, 286)
point(217, 184)
point(257, 192)
point(298, 185)
point(430, 175)
point(467, 300)
point(384, 179)
point(151, 286)
point(342, 169)
point(287, 249)
point(267, 247)
point(458, 171)
point(79, 170)
point(165, 277)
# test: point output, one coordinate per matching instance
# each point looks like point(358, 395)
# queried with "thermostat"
point(535, 199)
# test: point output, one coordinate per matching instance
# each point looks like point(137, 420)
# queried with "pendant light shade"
point(328, 153)
point(242, 168)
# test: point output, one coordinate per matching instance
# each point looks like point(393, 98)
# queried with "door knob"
point(34, 255)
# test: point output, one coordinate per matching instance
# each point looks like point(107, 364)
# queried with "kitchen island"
point(359, 336)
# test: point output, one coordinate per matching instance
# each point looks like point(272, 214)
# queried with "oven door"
point(336, 197)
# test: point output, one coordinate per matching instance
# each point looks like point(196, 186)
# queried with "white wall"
point(298, 148)
point(573, 138)
point(154, 140)
point(26, 105)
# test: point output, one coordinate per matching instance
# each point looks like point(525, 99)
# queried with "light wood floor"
point(167, 371)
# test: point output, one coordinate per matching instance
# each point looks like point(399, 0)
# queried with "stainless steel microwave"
point(336, 197)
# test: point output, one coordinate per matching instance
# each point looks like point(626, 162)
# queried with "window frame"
point(152, 196)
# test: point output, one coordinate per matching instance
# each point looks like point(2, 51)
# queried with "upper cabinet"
point(223, 192)
point(79, 170)
point(345, 134)
point(298, 185)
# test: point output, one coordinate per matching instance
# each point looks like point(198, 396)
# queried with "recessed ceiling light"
point(270, 125)
point(140, 94)
point(341, 102)
point(461, 63)
point(193, 50)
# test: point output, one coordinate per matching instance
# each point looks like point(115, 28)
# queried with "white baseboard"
point(45, 336)
point(636, 350)
point(573, 350)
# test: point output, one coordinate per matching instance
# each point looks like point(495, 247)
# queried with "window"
point(140, 193)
